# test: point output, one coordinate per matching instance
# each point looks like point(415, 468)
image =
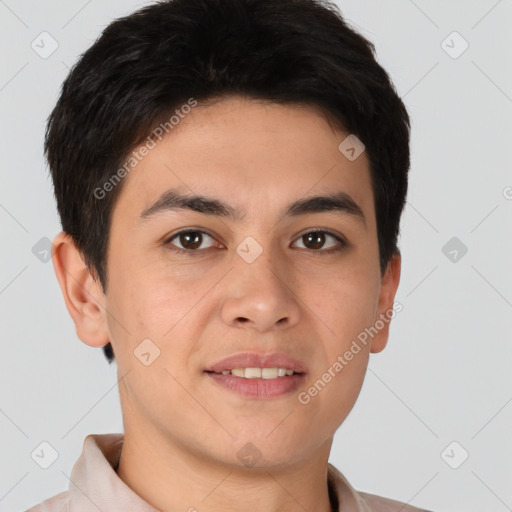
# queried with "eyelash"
point(198, 252)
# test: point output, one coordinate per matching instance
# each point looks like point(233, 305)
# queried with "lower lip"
point(259, 388)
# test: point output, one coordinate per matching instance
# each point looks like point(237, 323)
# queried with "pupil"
point(319, 237)
point(187, 237)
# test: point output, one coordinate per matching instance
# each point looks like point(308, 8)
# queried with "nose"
point(259, 296)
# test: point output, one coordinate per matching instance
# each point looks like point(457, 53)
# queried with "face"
point(249, 273)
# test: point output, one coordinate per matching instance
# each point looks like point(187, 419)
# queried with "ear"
point(82, 293)
point(389, 285)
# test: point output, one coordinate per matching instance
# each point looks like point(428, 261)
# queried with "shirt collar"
point(95, 485)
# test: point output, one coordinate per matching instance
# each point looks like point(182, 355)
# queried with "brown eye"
point(189, 240)
point(315, 240)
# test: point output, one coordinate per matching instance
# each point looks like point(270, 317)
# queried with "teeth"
point(259, 373)
point(253, 373)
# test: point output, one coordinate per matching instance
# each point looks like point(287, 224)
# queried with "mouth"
point(251, 365)
point(258, 375)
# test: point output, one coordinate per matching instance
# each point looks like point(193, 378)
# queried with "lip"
point(259, 388)
point(256, 360)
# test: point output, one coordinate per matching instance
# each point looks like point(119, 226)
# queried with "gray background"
point(445, 375)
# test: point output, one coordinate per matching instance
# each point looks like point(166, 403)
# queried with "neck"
point(169, 477)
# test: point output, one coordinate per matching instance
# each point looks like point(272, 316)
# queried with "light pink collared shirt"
point(94, 486)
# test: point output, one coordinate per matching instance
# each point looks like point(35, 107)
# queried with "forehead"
point(247, 151)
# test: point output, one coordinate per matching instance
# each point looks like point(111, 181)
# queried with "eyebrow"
point(175, 200)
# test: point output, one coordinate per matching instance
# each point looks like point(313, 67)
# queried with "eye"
point(315, 239)
point(190, 241)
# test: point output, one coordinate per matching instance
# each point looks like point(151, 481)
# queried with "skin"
point(183, 431)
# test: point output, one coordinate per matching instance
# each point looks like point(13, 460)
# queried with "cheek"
point(346, 302)
point(348, 306)
point(155, 305)
point(145, 293)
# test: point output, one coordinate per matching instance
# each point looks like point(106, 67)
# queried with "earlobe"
point(82, 293)
point(389, 286)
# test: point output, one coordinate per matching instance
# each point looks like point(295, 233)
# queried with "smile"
point(258, 373)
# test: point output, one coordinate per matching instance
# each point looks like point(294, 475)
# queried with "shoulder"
point(57, 503)
point(351, 499)
point(379, 504)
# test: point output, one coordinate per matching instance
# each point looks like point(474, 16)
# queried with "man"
point(230, 176)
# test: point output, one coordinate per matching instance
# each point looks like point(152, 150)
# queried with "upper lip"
point(256, 360)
